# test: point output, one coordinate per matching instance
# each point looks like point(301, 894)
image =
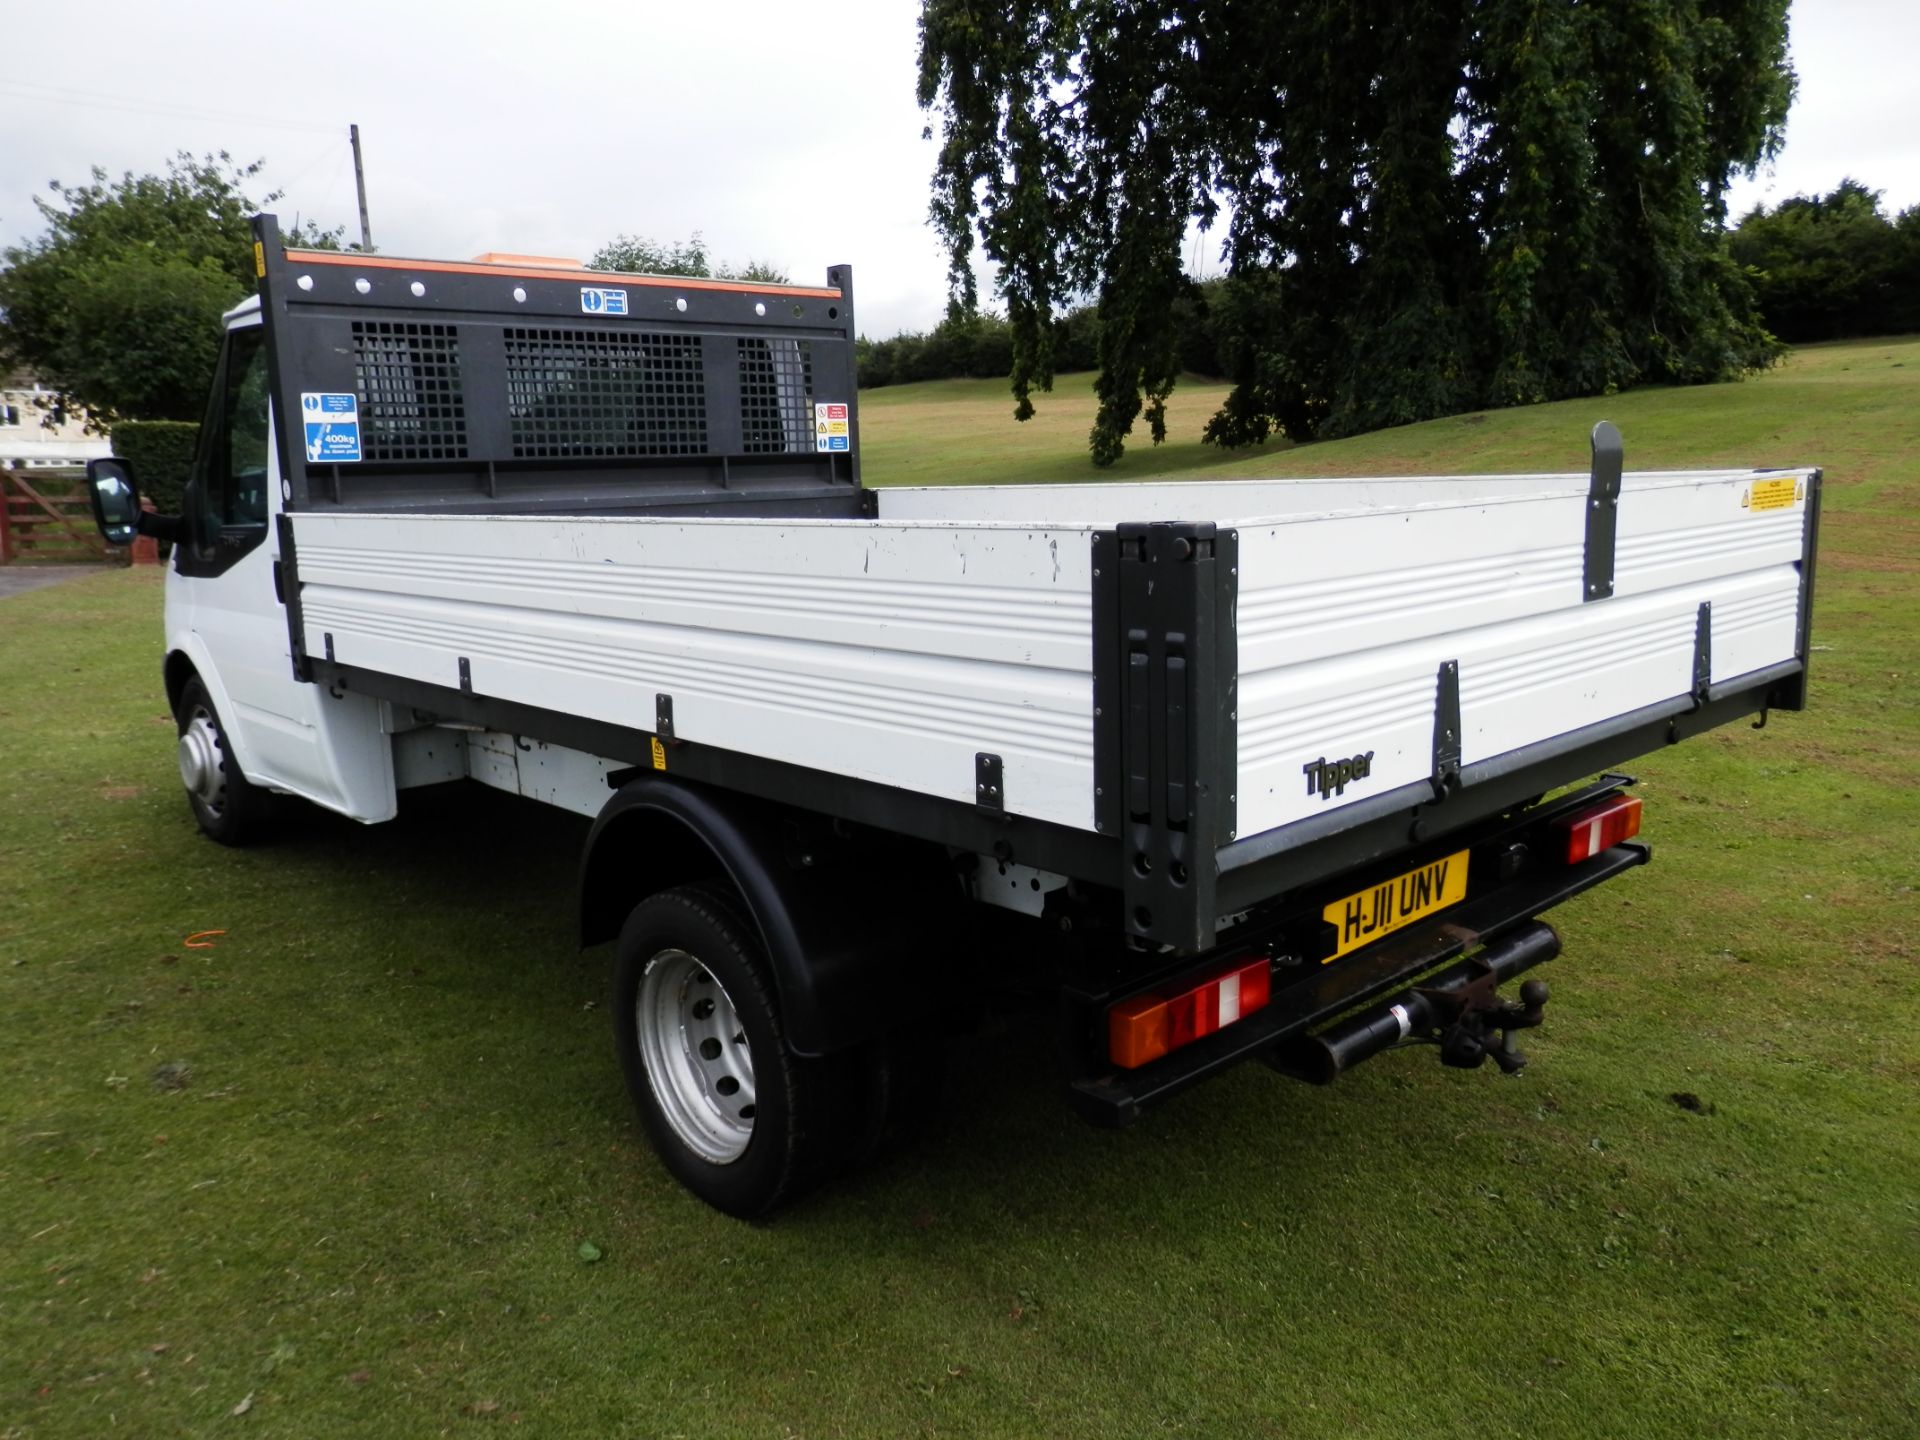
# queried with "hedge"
point(981, 346)
point(161, 455)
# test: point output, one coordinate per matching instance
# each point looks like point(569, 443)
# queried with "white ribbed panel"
point(1283, 730)
point(1678, 533)
point(1333, 709)
point(1756, 629)
point(1345, 621)
point(1314, 589)
point(1243, 502)
point(894, 653)
point(895, 650)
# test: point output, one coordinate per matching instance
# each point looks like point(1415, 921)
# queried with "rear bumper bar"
point(1120, 1097)
point(1425, 1009)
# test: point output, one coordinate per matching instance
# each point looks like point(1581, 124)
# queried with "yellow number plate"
point(1364, 917)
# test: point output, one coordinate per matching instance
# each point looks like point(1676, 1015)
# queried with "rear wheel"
point(735, 1115)
point(230, 808)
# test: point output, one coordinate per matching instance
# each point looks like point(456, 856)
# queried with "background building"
point(37, 432)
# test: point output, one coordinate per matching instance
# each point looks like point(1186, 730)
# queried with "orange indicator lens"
point(1149, 1026)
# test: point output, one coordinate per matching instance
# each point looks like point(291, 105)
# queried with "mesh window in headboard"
point(607, 393)
point(776, 397)
point(408, 376)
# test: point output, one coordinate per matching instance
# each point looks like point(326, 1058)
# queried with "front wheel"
point(229, 807)
point(736, 1116)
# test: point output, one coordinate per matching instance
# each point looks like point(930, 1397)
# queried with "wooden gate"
point(34, 526)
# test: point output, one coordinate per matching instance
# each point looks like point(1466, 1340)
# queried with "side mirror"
point(115, 499)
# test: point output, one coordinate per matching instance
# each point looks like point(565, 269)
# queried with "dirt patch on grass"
point(1870, 562)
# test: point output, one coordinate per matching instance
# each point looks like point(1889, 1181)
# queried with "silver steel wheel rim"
point(203, 762)
point(697, 1059)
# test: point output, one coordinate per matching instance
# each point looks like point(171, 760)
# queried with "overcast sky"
point(783, 132)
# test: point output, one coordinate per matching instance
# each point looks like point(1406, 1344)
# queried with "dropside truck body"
point(1281, 769)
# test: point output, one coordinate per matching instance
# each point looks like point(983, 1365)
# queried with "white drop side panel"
point(891, 652)
point(1345, 620)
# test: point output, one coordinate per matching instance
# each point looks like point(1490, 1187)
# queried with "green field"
point(334, 1172)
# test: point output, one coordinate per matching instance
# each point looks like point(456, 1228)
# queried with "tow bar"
point(1457, 1009)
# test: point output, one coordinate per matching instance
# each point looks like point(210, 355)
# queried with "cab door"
point(226, 593)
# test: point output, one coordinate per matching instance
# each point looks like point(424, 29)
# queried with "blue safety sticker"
point(333, 426)
point(595, 300)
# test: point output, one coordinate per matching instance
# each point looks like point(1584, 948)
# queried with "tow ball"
point(1460, 1010)
point(1481, 1024)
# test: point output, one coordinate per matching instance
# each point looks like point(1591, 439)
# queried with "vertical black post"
point(1165, 673)
point(1791, 693)
point(289, 429)
point(270, 266)
point(360, 186)
point(841, 276)
point(1603, 511)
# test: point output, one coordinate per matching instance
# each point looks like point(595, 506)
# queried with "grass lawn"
point(331, 1176)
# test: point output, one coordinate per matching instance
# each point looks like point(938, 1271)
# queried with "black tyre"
point(736, 1116)
point(229, 807)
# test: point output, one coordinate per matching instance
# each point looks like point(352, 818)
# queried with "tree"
point(1825, 267)
point(117, 305)
point(637, 255)
point(1427, 205)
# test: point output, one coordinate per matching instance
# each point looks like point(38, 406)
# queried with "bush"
point(963, 346)
point(980, 347)
point(161, 455)
point(1830, 267)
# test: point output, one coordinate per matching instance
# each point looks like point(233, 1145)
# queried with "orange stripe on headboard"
point(354, 259)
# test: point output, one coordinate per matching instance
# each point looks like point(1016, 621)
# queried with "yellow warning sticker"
point(259, 259)
point(659, 754)
point(1773, 494)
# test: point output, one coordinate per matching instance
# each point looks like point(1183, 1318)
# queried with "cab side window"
point(237, 472)
point(228, 498)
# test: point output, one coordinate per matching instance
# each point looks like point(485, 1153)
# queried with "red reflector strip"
point(1149, 1026)
point(1600, 827)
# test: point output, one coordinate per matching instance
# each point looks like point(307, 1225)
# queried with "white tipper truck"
point(1283, 770)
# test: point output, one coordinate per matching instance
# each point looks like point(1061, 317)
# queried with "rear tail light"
point(1149, 1026)
point(1600, 827)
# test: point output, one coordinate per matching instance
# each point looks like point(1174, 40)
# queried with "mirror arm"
point(156, 526)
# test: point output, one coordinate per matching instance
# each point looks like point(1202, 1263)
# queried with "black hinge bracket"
point(663, 716)
point(1703, 652)
point(466, 677)
point(1603, 511)
point(287, 576)
point(1446, 730)
point(989, 788)
point(326, 639)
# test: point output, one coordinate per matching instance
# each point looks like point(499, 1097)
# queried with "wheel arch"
point(853, 923)
point(175, 671)
point(188, 659)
